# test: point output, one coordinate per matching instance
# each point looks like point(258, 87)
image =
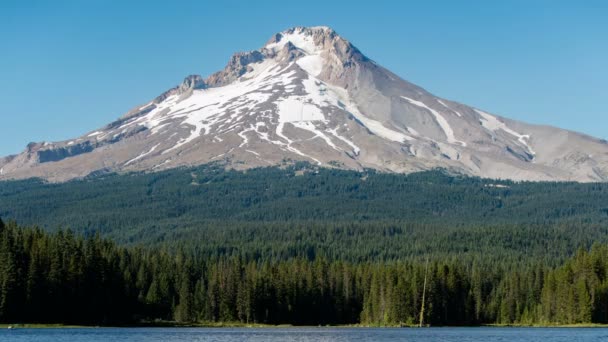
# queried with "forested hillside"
point(302, 245)
point(63, 278)
point(306, 212)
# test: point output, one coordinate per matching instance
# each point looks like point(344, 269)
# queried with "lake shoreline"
point(167, 324)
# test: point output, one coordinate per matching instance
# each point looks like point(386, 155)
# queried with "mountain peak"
point(311, 40)
point(319, 45)
point(310, 95)
point(236, 67)
point(319, 50)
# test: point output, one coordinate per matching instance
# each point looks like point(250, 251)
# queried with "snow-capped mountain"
point(310, 95)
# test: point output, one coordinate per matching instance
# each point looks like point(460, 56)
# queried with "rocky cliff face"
point(310, 95)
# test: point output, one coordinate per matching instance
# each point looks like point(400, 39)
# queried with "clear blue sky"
point(68, 67)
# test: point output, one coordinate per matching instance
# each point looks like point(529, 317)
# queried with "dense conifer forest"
point(308, 212)
point(302, 245)
point(64, 278)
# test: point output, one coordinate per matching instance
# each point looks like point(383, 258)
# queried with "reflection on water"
point(305, 334)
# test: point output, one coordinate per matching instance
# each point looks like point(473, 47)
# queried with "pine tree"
point(184, 311)
point(8, 278)
point(200, 301)
point(585, 303)
point(243, 302)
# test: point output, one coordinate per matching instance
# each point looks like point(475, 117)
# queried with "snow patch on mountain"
point(312, 64)
point(376, 127)
point(295, 109)
point(96, 133)
point(309, 126)
point(492, 123)
point(203, 110)
point(355, 148)
point(443, 123)
point(298, 38)
point(144, 154)
point(448, 107)
point(290, 148)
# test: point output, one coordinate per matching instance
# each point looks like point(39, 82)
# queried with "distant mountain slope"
point(310, 95)
point(168, 204)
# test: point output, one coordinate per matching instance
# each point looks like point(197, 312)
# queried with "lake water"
point(305, 334)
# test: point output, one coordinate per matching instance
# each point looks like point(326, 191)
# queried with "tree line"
point(145, 207)
point(303, 211)
point(66, 278)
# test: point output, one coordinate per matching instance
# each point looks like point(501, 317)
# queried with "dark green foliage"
point(303, 246)
point(61, 278)
point(185, 198)
point(304, 212)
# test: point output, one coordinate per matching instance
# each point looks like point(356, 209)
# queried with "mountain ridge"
point(310, 95)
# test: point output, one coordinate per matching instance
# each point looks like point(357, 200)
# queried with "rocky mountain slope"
point(310, 95)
